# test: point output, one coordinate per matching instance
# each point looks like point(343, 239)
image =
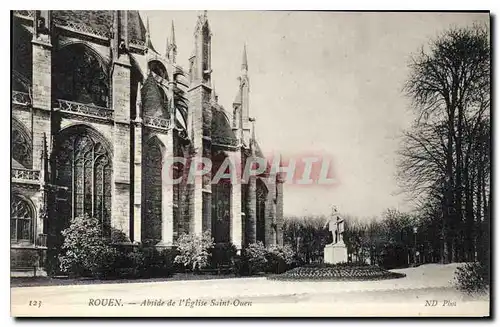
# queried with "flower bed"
point(340, 272)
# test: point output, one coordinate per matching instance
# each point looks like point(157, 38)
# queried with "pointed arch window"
point(21, 220)
point(80, 76)
point(221, 201)
point(152, 181)
point(21, 146)
point(85, 168)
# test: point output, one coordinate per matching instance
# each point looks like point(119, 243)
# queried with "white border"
point(194, 5)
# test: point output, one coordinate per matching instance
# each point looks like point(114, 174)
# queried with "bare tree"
point(449, 85)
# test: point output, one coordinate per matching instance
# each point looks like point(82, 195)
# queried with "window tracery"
point(21, 147)
point(21, 220)
point(151, 224)
point(84, 166)
point(79, 76)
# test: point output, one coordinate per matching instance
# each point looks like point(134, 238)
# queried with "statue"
point(336, 251)
point(336, 226)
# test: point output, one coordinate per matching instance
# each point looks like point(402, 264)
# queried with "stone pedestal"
point(335, 253)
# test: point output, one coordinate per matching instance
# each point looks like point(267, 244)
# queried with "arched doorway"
point(84, 167)
point(152, 183)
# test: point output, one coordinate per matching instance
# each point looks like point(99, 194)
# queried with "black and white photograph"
point(250, 163)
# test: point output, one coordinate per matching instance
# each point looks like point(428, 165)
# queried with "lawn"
point(48, 281)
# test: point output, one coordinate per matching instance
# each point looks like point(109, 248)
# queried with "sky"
point(323, 82)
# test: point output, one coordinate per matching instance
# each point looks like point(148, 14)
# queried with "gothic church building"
point(97, 111)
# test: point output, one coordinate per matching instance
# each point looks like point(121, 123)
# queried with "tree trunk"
point(469, 230)
point(479, 202)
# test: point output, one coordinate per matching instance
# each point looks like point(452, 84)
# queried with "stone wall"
point(120, 216)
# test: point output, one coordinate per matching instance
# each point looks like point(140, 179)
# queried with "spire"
point(148, 35)
point(149, 44)
point(167, 49)
point(202, 21)
point(201, 65)
point(172, 34)
point(172, 47)
point(244, 63)
point(214, 96)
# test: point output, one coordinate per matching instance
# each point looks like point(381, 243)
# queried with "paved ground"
point(427, 290)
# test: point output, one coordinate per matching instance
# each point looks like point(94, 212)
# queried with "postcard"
point(250, 164)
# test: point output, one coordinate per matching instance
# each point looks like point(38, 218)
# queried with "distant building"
point(96, 113)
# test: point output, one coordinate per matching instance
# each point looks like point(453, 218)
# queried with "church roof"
point(153, 103)
point(101, 21)
point(222, 133)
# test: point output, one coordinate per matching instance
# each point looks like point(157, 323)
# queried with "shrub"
point(223, 254)
point(194, 250)
point(279, 258)
point(254, 259)
point(84, 251)
point(473, 277)
point(146, 261)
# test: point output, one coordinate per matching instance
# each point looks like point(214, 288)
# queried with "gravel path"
point(259, 296)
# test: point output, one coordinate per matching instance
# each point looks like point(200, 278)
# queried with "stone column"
point(200, 119)
point(137, 178)
point(251, 226)
point(269, 219)
point(42, 200)
point(207, 189)
point(42, 92)
point(236, 223)
point(167, 193)
point(120, 213)
point(279, 210)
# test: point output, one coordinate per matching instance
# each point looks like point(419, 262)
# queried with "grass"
point(48, 281)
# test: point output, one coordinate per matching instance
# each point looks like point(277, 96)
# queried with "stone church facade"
point(97, 112)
